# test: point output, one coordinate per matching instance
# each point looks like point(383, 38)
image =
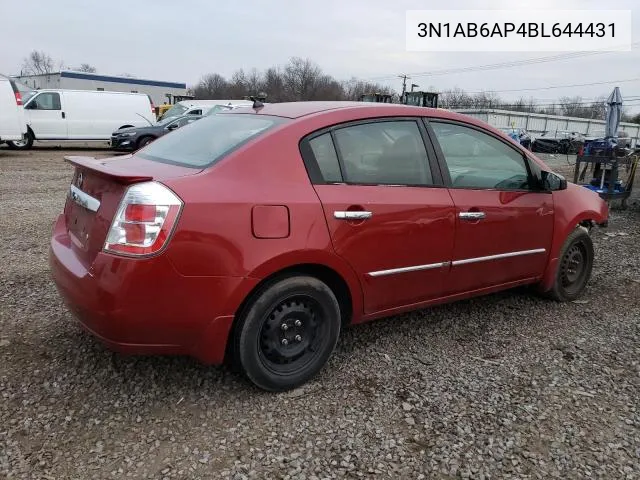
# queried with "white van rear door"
point(46, 116)
point(11, 115)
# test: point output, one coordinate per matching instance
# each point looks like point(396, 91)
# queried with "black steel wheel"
point(574, 266)
point(287, 333)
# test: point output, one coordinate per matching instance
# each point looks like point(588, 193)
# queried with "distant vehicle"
point(519, 135)
point(133, 138)
point(254, 236)
point(559, 141)
point(376, 97)
point(222, 108)
point(199, 107)
point(13, 125)
point(64, 115)
point(421, 99)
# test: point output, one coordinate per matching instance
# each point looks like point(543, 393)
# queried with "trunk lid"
point(95, 192)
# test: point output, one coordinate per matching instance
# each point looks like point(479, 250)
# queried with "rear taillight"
point(144, 221)
point(18, 99)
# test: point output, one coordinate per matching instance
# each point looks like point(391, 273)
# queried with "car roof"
point(296, 110)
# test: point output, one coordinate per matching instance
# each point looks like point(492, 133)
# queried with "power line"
point(509, 64)
point(502, 105)
point(557, 86)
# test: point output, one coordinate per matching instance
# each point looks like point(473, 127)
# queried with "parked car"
point(199, 107)
point(519, 135)
point(558, 141)
point(226, 107)
point(132, 138)
point(254, 236)
point(13, 125)
point(622, 138)
point(71, 115)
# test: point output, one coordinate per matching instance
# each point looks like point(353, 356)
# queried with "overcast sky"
point(182, 40)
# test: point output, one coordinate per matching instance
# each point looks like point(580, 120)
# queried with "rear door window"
point(206, 141)
point(384, 153)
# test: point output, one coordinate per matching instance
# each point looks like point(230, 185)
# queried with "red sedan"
point(255, 235)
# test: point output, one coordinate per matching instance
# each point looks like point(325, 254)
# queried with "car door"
point(504, 221)
point(46, 116)
point(388, 214)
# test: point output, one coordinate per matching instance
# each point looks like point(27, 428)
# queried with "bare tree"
point(37, 63)
point(353, 89)
point(211, 87)
point(301, 78)
point(85, 67)
point(273, 85)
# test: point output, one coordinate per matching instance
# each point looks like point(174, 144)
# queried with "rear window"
point(206, 141)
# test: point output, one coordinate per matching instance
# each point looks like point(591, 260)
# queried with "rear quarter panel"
point(215, 235)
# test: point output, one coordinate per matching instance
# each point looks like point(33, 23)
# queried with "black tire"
point(144, 141)
point(311, 313)
point(574, 267)
point(26, 144)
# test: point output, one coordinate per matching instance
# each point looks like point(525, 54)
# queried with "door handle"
point(63, 116)
point(352, 215)
point(471, 215)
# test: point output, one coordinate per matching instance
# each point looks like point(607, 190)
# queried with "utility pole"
point(404, 84)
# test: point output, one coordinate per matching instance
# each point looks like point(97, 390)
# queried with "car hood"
point(137, 130)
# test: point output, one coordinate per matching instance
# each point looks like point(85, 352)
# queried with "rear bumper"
point(144, 306)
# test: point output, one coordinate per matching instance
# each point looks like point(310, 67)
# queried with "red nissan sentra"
point(256, 235)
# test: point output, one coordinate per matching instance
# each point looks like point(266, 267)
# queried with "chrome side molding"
point(84, 199)
point(430, 266)
point(498, 256)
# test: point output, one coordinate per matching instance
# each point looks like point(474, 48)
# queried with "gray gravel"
point(505, 386)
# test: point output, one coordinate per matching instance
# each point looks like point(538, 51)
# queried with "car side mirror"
point(173, 126)
point(552, 181)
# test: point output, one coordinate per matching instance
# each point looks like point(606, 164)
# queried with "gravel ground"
point(504, 386)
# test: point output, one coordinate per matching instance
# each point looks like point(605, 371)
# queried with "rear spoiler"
point(102, 168)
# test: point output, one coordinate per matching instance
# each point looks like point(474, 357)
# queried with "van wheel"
point(574, 267)
point(287, 333)
point(145, 141)
point(24, 144)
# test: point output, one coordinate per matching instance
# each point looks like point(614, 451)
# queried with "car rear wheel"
point(574, 266)
point(287, 333)
point(145, 141)
point(24, 144)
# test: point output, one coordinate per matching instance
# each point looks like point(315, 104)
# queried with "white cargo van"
point(85, 115)
point(13, 125)
point(199, 107)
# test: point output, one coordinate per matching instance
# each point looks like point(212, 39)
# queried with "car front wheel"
point(574, 266)
point(144, 141)
point(287, 333)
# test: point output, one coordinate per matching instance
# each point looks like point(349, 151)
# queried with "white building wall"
point(157, 90)
point(41, 81)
